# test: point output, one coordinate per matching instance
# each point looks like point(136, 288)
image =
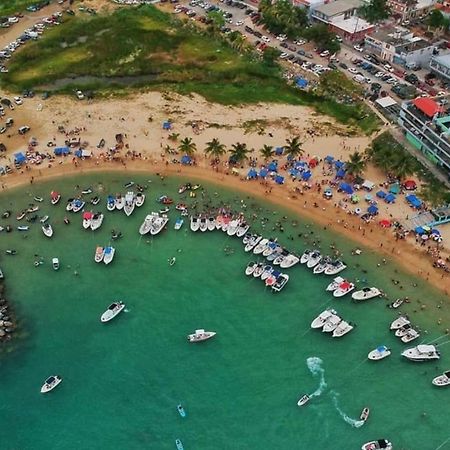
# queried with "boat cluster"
point(340, 287)
point(126, 203)
point(105, 254)
point(330, 322)
point(271, 250)
point(231, 226)
point(321, 264)
point(92, 221)
point(404, 330)
point(271, 277)
point(153, 224)
point(7, 326)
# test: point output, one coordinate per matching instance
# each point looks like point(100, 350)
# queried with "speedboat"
point(109, 254)
point(342, 329)
point(87, 219)
point(335, 284)
point(195, 223)
point(165, 200)
point(21, 215)
point(232, 227)
point(181, 206)
point(314, 259)
point(278, 250)
point(55, 197)
point(43, 219)
point(289, 261)
point(442, 380)
point(399, 323)
point(272, 278)
point(319, 321)
point(182, 188)
point(377, 445)
point(203, 225)
point(364, 414)
point(335, 267)
point(130, 203)
point(305, 257)
point(179, 223)
point(139, 199)
point(211, 224)
point(78, 205)
point(96, 222)
point(129, 184)
point(242, 229)
point(331, 323)
point(403, 330)
point(250, 268)
point(110, 203)
point(95, 200)
point(303, 400)
point(87, 191)
point(280, 282)
point(179, 444)
point(397, 303)
point(181, 410)
point(158, 224)
point(47, 230)
point(147, 224)
point(201, 335)
point(164, 210)
point(32, 209)
point(253, 241)
point(99, 254)
point(261, 246)
point(38, 199)
point(380, 352)
point(280, 258)
point(422, 352)
point(259, 269)
point(23, 228)
point(246, 238)
point(410, 335)
point(69, 206)
point(112, 311)
point(366, 294)
point(120, 202)
point(50, 384)
point(323, 264)
point(271, 246)
point(55, 263)
point(267, 270)
point(344, 288)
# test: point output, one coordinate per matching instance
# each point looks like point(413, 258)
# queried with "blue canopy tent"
point(61, 151)
point(306, 176)
point(294, 172)
point(167, 125)
point(19, 158)
point(273, 166)
point(300, 164)
point(419, 230)
point(301, 82)
point(381, 194)
point(329, 159)
point(263, 172)
point(339, 164)
point(390, 198)
point(435, 231)
point(279, 179)
point(413, 201)
point(372, 210)
point(340, 173)
point(186, 160)
point(252, 174)
point(395, 188)
point(279, 150)
point(345, 187)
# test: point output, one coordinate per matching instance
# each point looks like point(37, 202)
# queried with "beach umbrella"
point(368, 198)
point(329, 159)
point(358, 211)
point(252, 174)
point(167, 125)
point(263, 172)
point(381, 194)
point(355, 198)
point(294, 172)
point(300, 165)
point(338, 164)
point(395, 188)
point(313, 162)
point(419, 230)
point(385, 223)
point(279, 150)
point(273, 166)
point(345, 187)
point(390, 198)
point(410, 185)
point(186, 159)
point(340, 173)
point(19, 158)
point(306, 176)
point(436, 232)
point(424, 237)
point(372, 209)
point(426, 228)
point(279, 179)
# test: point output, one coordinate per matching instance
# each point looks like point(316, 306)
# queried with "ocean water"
point(123, 380)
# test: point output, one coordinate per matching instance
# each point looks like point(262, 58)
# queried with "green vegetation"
point(356, 164)
point(437, 21)
point(323, 37)
point(293, 147)
point(8, 7)
point(375, 11)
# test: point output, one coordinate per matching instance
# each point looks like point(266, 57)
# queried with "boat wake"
point(353, 422)
point(315, 367)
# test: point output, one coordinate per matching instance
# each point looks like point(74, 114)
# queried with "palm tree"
point(293, 147)
point(187, 146)
point(404, 166)
point(215, 149)
point(237, 40)
point(239, 153)
point(267, 151)
point(356, 164)
point(173, 137)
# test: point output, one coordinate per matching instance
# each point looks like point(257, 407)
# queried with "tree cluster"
point(375, 11)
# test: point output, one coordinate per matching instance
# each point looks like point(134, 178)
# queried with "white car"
point(379, 74)
point(392, 80)
point(13, 19)
point(352, 70)
point(281, 37)
point(325, 54)
point(239, 23)
point(299, 42)
point(80, 95)
point(265, 39)
point(358, 48)
point(388, 68)
point(284, 55)
point(18, 100)
point(441, 93)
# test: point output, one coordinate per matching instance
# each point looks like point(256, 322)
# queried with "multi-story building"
point(410, 9)
point(399, 46)
point(440, 65)
point(426, 124)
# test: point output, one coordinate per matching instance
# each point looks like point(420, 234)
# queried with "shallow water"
point(123, 380)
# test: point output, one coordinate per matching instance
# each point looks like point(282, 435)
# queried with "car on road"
point(358, 48)
point(24, 129)
point(79, 94)
point(301, 52)
point(352, 70)
point(239, 23)
point(284, 55)
point(300, 42)
point(18, 100)
point(379, 74)
point(265, 39)
point(388, 67)
point(282, 37)
point(284, 45)
point(324, 54)
point(343, 66)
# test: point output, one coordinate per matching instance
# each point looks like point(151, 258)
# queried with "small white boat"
point(335, 284)
point(442, 380)
point(276, 252)
point(422, 352)
point(267, 271)
point(344, 288)
point(43, 219)
point(96, 221)
point(410, 336)
point(112, 311)
point(380, 444)
point(110, 203)
point(252, 242)
point(55, 263)
point(158, 224)
point(331, 323)
point(280, 258)
point(50, 384)
point(139, 199)
point(99, 254)
point(259, 269)
point(303, 400)
point(38, 199)
point(120, 202)
point(147, 224)
point(178, 223)
point(261, 246)
point(246, 238)
point(323, 264)
point(195, 223)
point(130, 203)
point(109, 254)
point(95, 200)
point(334, 268)
point(69, 206)
point(21, 215)
point(342, 329)
point(320, 320)
point(232, 227)
point(366, 294)
point(47, 230)
point(250, 268)
point(305, 257)
point(242, 229)
point(280, 282)
point(364, 414)
point(271, 246)
point(78, 205)
point(314, 259)
point(55, 197)
point(179, 444)
point(203, 224)
point(399, 323)
point(211, 224)
point(403, 330)
point(380, 352)
point(201, 335)
point(23, 228)
point(399, 302)
point(87, 219)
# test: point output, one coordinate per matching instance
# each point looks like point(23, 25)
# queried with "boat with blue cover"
point(110, 203)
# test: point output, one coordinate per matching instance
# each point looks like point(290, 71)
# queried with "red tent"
point(385, 223)
point(427, 105)
point(410, 185)
point(313, 162)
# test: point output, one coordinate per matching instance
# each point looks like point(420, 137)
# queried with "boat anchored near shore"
point(50, 383)
point(201, 335)
point(113, 310)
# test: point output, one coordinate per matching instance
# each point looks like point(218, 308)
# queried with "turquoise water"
point(123, 380)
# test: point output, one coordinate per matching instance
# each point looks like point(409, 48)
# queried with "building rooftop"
point(351, 25)
point(443, 60)
point(427, 105)
point(338, 7)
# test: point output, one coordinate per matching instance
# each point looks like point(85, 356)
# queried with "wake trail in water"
point(315, 367)
point(353, 422)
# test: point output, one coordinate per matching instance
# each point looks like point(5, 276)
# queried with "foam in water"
point(353, 422)
point(315, 367)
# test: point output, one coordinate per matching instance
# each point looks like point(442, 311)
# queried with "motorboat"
point(364, 414)
point(267, 270)
point(97, 220)
point(87, 219)
point(252, 243)
point(181, 410)
point(259, 269)
point(181, 207)
point(50, 383)
point(399, 302)
point(87, 191)
point(271, 246)
point(69, 205)
point(23, 228)
point(112, 311)
point(2, 276)
point(6, 214)
point(403, 330)
point(195, 223)
point(38, 199)
point(314, 259)
point(32, 209)
point(322, 265)
point(335, 267)
point(331, 323)
point(158, 224)
point(179, 444)
point(280, 282)
point(366, 294)
point(43, 219)
point(410, 335)
point(146, 225)
point(242, 229)
point(130, 203)
point(232, 227)
point(178, 223)
point(399, 322)
point(320, 320)
point(55, 197)
point(165, 200)
point(335, 284)
point(78, 205)
point(219, 222)
point(380, 444)
point(203, 224)
point(129, 184)
point(47, 230)
point(225, 223)
point(139, 199)
point(164, 210)
point(120, 202)
point(250, 268)
point(342, 329)
point(272, 278)
point(246, 238)
point(305, 257)
point(289, 261)
point(275, 253)
point(184, 213)
point(55, 263)
point(303, 400)
point(261, 246)
point(280, 258)
point(380, 352)
point(344, 288)
point(109, 254)
point(211, 224)
point(95, 200)
point(442, 380)
point(99, 254)
point(182, 188)
point(201, 335)
point(422, 352)
point(110, 203)
point(21, 215)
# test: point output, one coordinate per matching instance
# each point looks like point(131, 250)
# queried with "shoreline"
point(370, 235)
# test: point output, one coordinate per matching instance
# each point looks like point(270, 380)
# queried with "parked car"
point(24, 129)
point(79, 94)
point(358, 48)
point(343, 66)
